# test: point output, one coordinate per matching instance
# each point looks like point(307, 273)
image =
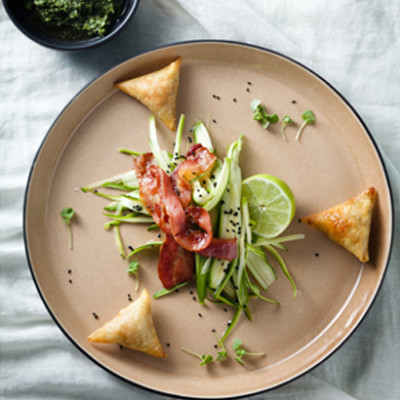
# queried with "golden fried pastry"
point(157, 91)
point(348, 224)
point(133, 328)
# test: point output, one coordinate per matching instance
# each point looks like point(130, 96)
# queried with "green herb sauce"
point(74, 19)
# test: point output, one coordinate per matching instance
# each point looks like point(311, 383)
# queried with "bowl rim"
point(74, 45)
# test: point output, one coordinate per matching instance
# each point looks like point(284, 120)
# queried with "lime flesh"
point(271, 204)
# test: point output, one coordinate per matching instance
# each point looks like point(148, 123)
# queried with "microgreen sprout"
point(222, 354)
point(133, 270)
point(261, 115)
point(66, 216)
point(286, 120)
point(240, 352)
point(205, 358)
point(308, 117)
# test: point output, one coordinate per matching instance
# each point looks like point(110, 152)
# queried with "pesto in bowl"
point(74, 19)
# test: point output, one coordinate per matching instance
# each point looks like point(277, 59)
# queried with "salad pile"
point(218, 228)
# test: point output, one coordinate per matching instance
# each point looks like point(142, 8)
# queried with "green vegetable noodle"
point(74, 19)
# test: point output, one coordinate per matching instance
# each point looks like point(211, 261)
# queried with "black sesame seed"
point(249, 83)
point(189, 139)
point(222, 202)
point(214, 121)
point(168, 344)
point(159, 235)
point(213, 331)
point(95, 191)
point(95, 315)
point(316, 254)
point(176, 290)
point(215, 184)
point(70, 281)
point(293, 101)
point(194, 298)
point(299, 220)
point(234, 100)
point(70, 271)
point(215, 346)
point(225, 310)
point(199, 314)
point(235, 214)
point(204, 182)
point(131, 248)
point(121, 347)
point(248, 90)
point(191, 292)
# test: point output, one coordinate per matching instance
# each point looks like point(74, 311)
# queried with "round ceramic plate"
point(335, 159)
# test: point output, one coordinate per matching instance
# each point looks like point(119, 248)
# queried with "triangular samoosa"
point(158, 91)
point(133, 328)
point(348, 224)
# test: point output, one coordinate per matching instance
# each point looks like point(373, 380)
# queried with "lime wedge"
point(271, 204)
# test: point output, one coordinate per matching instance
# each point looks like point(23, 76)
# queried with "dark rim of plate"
point(227, 42)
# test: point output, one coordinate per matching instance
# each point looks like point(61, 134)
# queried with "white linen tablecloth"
point(355, 45)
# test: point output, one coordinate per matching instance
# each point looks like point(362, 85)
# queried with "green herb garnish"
point(133, 270)
point(286, 120)
point(222, 354)
point(309, 118)
point(205, 358)
point(261, 115)
point(66, 216)
point(240, 352)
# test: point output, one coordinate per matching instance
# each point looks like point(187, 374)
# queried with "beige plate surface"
point(336, 159)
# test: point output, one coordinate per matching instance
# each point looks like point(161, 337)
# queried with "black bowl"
point(22, 18)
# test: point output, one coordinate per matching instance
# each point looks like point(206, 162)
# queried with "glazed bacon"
point(176, 264)
point(223, 249)
point(199, 160)
point(190, 227)
point(158, 195)
point(198, 231)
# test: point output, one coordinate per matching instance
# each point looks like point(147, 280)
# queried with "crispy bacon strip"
point(158, 195)
point(223, 249)
point(198, 230)
point(191, 227)
point(176, 265)
point(198, 161)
